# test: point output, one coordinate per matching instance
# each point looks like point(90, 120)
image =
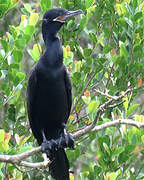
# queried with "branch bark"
point(18, 159)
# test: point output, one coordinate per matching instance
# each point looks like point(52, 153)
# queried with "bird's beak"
point(68, 15)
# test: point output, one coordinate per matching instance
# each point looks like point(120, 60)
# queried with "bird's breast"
point(51, 98)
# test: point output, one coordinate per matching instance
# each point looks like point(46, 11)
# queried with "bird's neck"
point(49, 38)
point(49, 32)
point(54, 53)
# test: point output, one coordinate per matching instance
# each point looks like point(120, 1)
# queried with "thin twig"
point(105, 94)
point(115, 105)
point(82, 132)
point(109, 77)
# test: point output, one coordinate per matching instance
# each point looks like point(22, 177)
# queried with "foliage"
point(106, 46)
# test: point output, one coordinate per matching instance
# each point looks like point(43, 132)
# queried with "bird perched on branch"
point(49, 96)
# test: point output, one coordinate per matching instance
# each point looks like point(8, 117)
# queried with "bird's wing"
point(31, 98)
point(32, 83)
point(68, 90)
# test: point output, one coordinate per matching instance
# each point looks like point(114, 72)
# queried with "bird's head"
point(55, 18)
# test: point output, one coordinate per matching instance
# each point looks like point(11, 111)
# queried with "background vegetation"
point(104, 54)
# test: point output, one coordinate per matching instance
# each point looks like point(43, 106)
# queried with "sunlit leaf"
point(2, 132)
point(93, 106)
point(33, 19)
point(28, 7)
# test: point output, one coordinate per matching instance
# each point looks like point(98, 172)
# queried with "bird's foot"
point(66, 141)
point(48, 147)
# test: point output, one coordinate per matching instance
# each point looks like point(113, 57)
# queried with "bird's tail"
point(59, 167)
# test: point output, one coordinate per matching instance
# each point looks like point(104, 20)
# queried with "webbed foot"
point(48, 147)
point(66, 141)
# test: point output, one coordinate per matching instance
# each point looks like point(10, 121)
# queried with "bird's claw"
point(70, 141)
point(62, 142)
point(66, 141)
point(49, 145)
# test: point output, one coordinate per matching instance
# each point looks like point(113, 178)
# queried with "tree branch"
point(18, 159)
point(137, 124)
point(100, 110)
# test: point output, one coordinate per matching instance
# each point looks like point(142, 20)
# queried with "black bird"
point(49, 96)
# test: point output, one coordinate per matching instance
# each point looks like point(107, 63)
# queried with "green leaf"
point(137, 16)
point(29, 30)
point(37, 51)
point(13, 31)
point(104, 139)
point(70, 24)
point(97, 170)
point(106, 148)
point(123, 157)
point(88, 3)
point(65, 53)
point(137, 51)
point(2, 132)
point(107, 49)
point(20, 43)
point(142, 151)
point(28, 7)
point(121, 9)
point(93, 106)
point(45, 5)
point(79, 52)
point(90, 11)
point(21, 76)
point(4, 44)
point(107, 31)
point(87, 52)
point(78, 66)
point(126, 102)
point(131, 109)
point(4, 7)
point(113, 175)
point(27, 38)
point(33, 19)
point(129, 148)
point(93, 37)
point(118, 151)
point(116, 139)
point(123, 51)
point(18, 55)
point(142, 139)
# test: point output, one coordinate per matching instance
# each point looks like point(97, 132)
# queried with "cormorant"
point(49, 96)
